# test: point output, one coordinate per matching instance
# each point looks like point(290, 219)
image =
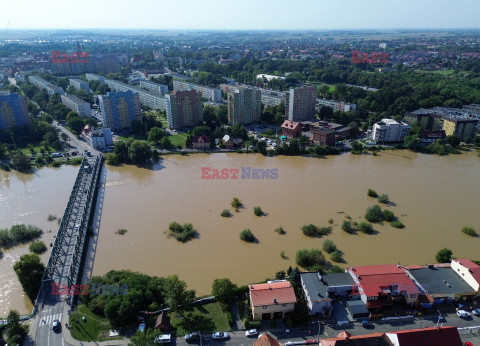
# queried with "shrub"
point(383, 198)
point(324, 230)
point(257, 211)
point(329, 246)
point(365, 227)
point(51, 217)
point(374, 214)
point(280, 230)
point(372, 193)
point(225, 213)
point(336, 256)
point(388, 215)
point(121, 231)
point(310, 230)
point(309, 258)
point(397, 224)
point(38, 247)
point(336, 269)
point(247, 235)
point(444, 255)
point(182, 233)
point(282, 254)
point(347, 227)
point(330, 221)
point(236, 203)
point(469, 231)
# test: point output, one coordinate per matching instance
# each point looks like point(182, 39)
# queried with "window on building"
point(264, 307)
point(284, 305)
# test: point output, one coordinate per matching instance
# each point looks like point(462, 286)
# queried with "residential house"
point(323, 136)
point(272, 300)
point(231, 142)
point(266, 339)
point(291, 129)
point(433, 336)
point(163, 322)
point(201, 142)
point(384, 285)
point(316, 293)
point(431, 136)
point(345, 338)
point(468, 271)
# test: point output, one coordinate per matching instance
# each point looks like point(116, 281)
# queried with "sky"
point(239, 14)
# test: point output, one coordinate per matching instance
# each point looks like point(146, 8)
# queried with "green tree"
point(21, 162)
point(29, 270)
point(165, 143)
point(374, 214)
point(295, 277)
point(176, 294)
point(223, 290)
point(357, 147)
point(76, 125)
point(137, 127)
point(139, 152)
point(453, 140)
point(121, 151)
point(15, 332)
point(155, 134)
point(444, 255)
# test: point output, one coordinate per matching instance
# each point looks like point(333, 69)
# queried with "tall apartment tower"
point(244, 106)
point(13, 111)
point(302, 103)
point(184, 109)
point(119, 109)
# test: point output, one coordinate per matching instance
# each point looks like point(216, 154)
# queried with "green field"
point(179, 139)
point(95, 328)
point(206, 318)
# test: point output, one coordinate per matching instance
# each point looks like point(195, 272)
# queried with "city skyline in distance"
point(244, 15)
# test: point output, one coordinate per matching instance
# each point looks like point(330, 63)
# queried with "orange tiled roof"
point(272, 293)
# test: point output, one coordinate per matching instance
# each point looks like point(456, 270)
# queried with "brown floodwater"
point(433, 196)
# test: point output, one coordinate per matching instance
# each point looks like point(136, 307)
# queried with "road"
point(80, 144)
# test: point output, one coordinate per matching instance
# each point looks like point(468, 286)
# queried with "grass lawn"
point(206, 318)
point(141, 137)
point(95, 328)
point(179, 139)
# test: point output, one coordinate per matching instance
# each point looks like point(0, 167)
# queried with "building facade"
point(157, 88)
point(389, 131)
point(244, 106)
point(95, 77)
point(147, 98)
point(335, 105)
point(119, 109)
point(212, 94)
point(42, 83)
point(79, 84)
point(77, 105)
point(101, 138)
point(302, 103)
point(13, 111)
point(184, 109)
point(271, 300)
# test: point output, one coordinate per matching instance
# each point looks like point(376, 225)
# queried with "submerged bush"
point(225, 213)
point(347, 227)
point(247, 235)
point(309, 258)
point(383, 198)
point(236, 203)
point(257, 211)
point(397, 224)
point(310, 230)
point(336, 256)
point(374, 214)
point(280, 230)
point(388, 215)
point(37, 247)
point(365, 227)
point(372, 193)
point(469, 231)
point(329, 246)
point(182, 233)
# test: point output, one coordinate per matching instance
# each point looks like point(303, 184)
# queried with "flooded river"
point(433, 196)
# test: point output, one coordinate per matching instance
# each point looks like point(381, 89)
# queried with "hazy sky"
point(239, 14)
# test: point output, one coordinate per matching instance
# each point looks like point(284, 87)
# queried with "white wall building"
point(79, 84)
point(96, 77)
point(389, 130)
point(101, 138)
point(77, 105)
point(157, 88)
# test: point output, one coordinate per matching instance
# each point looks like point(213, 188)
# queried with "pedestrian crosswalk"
point(48, 320)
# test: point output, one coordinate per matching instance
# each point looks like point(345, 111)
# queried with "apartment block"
point(77, 105)
point(119, 109)
point(79, 84)
point(95, 77)
point(244, 106)
point(42, 83)
point(302, 103)
point(13, 111)
point(184, 109)
point(147, 98)
point(389, 131)
point(157, 88)
point(212, 94)
point(335, 105)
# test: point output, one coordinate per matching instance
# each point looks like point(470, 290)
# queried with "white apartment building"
point(96, 77)
point(77, 105)
point(147, 98)
point(79, 84)
point(213, 94)
point(389, 130)
point(157, 88)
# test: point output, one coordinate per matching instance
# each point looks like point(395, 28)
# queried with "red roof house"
point(384, 285)
point(266, 340)
point(272, 300)
point(434, 336)
point(291, 129)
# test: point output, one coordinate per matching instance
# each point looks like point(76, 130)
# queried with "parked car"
point(195, 336)
point(463, 314)
point(220, 336)
point(476, 312)
point(163, 339)
point(251, 332)
point(367, 324)
point(56, 325)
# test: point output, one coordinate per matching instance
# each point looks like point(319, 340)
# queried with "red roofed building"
point(291, 129)
point(434, 336)
point(384, 285)
point(201, 142)
point(266, 340)
point(468, 271)
point(272, 300)
point(345, 338)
